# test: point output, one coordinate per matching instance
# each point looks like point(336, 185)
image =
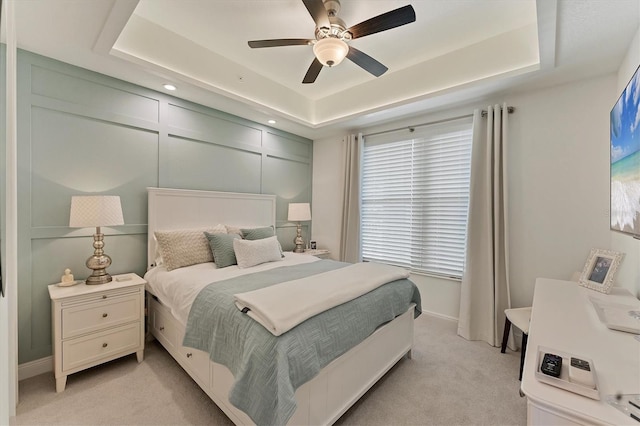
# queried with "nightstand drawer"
point(82, 319)
point(84, 350)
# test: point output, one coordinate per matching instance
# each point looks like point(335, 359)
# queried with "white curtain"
point(350, 236)
point(485, 281)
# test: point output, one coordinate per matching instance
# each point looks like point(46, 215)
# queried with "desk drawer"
point(83, 319)
point(89, 349)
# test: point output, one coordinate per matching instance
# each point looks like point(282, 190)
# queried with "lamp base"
point(99, 262)
point(98, 277)
point(298, 241)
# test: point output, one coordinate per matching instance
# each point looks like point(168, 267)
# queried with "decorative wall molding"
point(80, 132)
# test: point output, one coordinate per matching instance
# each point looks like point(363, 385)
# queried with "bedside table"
point(93, 324)
point(321, 253)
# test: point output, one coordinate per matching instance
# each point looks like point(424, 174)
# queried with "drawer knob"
point(104, 296)
point(189, 355)
point(105, 315)
point(104, 345)
point(161, 328)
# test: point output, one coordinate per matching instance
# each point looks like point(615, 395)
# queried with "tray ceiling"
point(456, 52)
point(452, 43)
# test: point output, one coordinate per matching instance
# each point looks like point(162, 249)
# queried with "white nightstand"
point(93, 324)
point(321, 253)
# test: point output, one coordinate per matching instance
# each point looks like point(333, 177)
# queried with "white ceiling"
point(456, 50)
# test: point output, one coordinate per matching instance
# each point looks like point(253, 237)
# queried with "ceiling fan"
point(332, 36)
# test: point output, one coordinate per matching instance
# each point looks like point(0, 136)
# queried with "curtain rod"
point(411, 128)
point(510, 110)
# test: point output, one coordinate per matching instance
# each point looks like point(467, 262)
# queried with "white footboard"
point(323, 399)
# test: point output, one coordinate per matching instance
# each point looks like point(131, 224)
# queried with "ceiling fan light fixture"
point(330, 51)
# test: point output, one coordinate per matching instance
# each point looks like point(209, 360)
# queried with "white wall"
point(629, 273)
point(558, 180)
point(5, 410)
point(8, 304)
point(558, 186)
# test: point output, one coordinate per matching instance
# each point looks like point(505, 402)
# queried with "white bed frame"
point(336, 388)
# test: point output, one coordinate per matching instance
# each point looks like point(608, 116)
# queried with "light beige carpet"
point(449, 381)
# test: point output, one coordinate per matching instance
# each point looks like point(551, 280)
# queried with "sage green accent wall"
point(80, 132)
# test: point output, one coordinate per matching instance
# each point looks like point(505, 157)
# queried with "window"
point(415, 197)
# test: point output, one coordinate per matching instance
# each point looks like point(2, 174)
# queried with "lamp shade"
point(330, 51)
point(299, 212)
point(95, 210)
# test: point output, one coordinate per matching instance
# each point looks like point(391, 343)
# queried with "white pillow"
point(185, 247)
point(254, 252)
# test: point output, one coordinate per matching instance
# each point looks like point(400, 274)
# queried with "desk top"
point(564, 318)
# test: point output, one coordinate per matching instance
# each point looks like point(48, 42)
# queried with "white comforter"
point(177, 289)
point(281, 307)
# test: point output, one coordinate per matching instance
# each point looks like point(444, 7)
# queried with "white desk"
point(564, 318)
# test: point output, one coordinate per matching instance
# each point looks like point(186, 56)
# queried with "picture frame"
point(600, 269)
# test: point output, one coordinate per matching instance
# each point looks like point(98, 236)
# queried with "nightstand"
point(321, 253)
point(93, 324)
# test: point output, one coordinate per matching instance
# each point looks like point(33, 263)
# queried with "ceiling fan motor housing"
point(330, 47)
point(337, 30)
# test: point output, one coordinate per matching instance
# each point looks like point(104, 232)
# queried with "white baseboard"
point(35, 368)
point(443, 316)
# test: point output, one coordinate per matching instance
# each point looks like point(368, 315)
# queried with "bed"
point(320, 400)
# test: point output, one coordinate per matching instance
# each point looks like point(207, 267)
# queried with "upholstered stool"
point(520, 318)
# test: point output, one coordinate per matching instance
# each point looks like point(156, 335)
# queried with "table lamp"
point(96, 210)
point(299, 212)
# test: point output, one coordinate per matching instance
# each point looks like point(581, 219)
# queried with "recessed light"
point(169, 86)
point(271, 121)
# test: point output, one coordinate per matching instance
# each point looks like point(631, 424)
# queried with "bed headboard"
point(186, 208)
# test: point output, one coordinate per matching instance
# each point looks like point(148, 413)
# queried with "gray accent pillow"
point(254, 252)
point(184, 247)
point(222, 248)
point(258, 233)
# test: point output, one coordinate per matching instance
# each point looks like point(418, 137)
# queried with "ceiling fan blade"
point(318, 12)
point(386, 21)
point(366, 62)
point(280, 42)
point(312, 72)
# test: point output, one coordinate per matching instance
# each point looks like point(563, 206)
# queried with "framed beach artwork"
point(625, 160)
point(600, 269)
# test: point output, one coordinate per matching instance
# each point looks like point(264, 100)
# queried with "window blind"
point(415, 197)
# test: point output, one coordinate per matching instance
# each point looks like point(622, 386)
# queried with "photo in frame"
point(600, 269)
